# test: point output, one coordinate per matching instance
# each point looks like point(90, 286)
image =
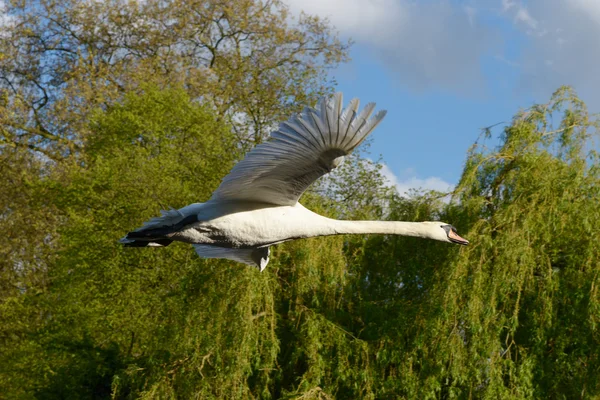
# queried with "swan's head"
point(445, 233)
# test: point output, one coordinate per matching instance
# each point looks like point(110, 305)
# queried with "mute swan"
point(256, 205)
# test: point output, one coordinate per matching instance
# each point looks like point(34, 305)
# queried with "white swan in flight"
point(256, 205)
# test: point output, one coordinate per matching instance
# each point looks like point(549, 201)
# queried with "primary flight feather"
point(256, 204)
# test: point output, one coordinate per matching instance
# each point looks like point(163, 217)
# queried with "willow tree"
point(249, 58)
point(528, 309)
point(515, 314)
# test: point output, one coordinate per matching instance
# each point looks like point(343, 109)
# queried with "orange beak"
point(453, 236)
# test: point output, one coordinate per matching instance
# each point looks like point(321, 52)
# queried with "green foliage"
point(60, 60)
point(512, 316)
point(356, 189)
point(525, 291)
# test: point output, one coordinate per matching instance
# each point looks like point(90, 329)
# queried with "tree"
point(60, 60)
point(112, 110)
point(128, 323)
point(74, 333)
point(514, 314)
point(528, 304)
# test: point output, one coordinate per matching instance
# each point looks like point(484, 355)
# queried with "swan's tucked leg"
point(257, 257)
point(146, 243)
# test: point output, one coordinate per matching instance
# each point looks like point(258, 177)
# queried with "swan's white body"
point(257, 206)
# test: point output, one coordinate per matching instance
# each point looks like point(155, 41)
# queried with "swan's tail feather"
point(157, 231)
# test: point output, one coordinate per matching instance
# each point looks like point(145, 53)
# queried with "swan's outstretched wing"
point(303, 149)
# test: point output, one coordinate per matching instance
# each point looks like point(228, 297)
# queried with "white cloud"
point(563, 47)
point(353, 17)
point(411, 181)
point(519, 12)
point(508, 4)
point(440, 44)
point(424, 44)
point(589, 7)
point(523, 15)
point(6, 20)
point(471, 14)
point(507, 62)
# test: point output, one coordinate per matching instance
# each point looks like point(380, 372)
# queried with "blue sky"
point(444, 69)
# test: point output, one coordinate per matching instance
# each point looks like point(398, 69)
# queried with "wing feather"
point(303, 148)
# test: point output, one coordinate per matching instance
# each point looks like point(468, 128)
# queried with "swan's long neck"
point(416, 229)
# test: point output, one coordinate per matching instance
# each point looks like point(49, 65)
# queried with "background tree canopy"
point(112, 110)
